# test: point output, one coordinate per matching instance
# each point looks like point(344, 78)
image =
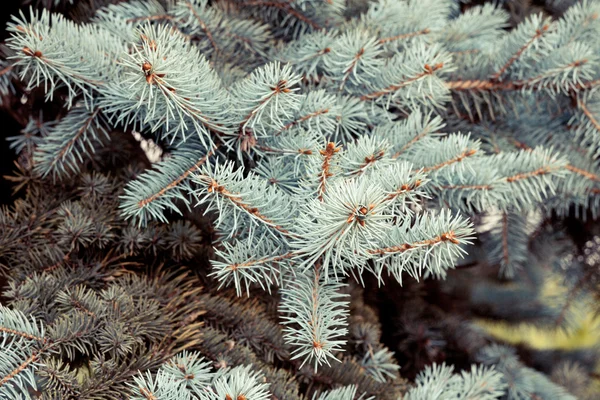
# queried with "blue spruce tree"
point(321, 144)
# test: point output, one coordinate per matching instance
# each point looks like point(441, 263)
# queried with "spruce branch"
point(433, 242)
point(313, 303)
point(474, 29)
point(451, 152)
point(309, 52)
point(47, 50)
point(192, 7)
point(508, 244)
point(123, 18)
point(380, 364)
point(22, 342)
point(150, 194)
point(221, 34)
point(249, 324)
point(74, 138)
point(439, 381)
point(354, 58)
point(346, 392)
point(317, 112)
point(341, 123)
point(586, 174)
point(16, 324)
point(225, 189)
point(365, 154)
point(535, 29)
point(340, 228)
point(265, 99)
point(325, 173)
point(412, 77)
point(250, 262)
point(416, 122)
point(155, 90)
point(519, 380)
point(405, 134)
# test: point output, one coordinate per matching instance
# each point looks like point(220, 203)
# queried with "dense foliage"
point(312, 163)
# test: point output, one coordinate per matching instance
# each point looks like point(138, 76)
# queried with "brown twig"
point(281, 87)
point(328, 153)
point(23, 335)
point(444, 237)
point(215, 187)
point(144, 202)
point(515, 57)
point(348, 70)
point(147, 394)
point(70, 143)
point(418, 137)
point(490, 86)
point(584, 173)
point(459, 158)
point(527, 175)
point(32, 358)
point(203, 26)
point(405, 188)
point(6, 69)
point(589, 115)
point(429, 70)
point(270, 259)
point(283, 151)
point(368, 160)
point(306, 117)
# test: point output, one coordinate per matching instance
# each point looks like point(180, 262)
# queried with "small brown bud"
point(32, 53)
